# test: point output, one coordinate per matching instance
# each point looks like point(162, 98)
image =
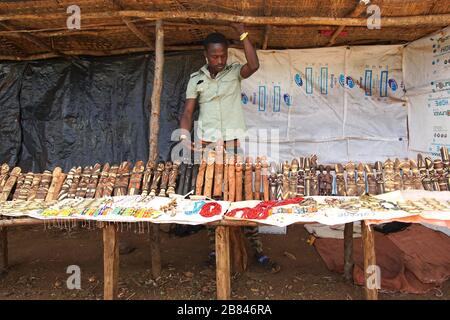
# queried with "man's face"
point(216, 55)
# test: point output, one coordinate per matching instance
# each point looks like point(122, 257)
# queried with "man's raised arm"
point(252, 64)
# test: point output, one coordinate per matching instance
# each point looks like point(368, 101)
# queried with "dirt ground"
point(39, 259)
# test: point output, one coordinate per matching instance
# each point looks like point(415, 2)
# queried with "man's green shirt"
point(221, 111)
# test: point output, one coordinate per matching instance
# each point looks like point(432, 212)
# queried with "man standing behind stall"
point(217, 87)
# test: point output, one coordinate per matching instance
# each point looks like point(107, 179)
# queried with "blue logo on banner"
point(298, 80)
point(287, 99)
point(342, 80)
point(393, 84)
point(350, 82)
point(244, 98)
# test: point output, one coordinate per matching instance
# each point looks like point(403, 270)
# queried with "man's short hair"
point(215, 37)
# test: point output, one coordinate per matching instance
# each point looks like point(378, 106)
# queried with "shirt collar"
point(205, 70)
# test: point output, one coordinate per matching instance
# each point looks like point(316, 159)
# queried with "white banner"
point(339, 103)
point(427, 81)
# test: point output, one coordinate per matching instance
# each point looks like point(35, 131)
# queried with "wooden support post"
point(238, 250)
point(110, 261)
point(348, 251)
point(371, 279)
point(157, 89)
point(223, 281)
point(155, 251)
point(154, 134)
point(433, 20)
point(3, 249)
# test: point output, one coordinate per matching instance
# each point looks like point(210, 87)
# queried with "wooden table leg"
point(223, 270)
point(155, 251)
point(238, 250)
point(110, 261)
point(3, 249)
point(348, 251)
point(372, 277)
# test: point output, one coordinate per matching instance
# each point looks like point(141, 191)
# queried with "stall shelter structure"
point(345, 80)
point(372, 87)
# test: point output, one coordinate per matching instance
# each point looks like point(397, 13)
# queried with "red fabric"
point(414, 260)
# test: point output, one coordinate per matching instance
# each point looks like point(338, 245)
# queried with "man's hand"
point(239, 27)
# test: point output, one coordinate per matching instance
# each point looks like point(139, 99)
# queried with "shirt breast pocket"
point(205, 92)
point(229, 85)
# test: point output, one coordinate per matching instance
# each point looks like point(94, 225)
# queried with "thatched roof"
point(37, 29)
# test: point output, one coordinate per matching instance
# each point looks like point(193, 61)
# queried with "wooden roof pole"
point(132, 27)
point(154, 135)
point(403, 21)
point(267, 28)
point(138, 33)
point(32, 39)
point(359, 9)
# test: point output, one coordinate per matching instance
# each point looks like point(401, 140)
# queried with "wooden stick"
point(265, 177)
point(14, 175)
point(267, 30)
point(267, 12)
point(428, 20)
point(26, 188)
point(156, 179)
point(99, 53)
point(155, 251)
point(75, 182)
point(19, 185)
point(20, 222)
point(144, 38)
point(134, 186)
point(35, 186)
point(173, 178)
point(218, 172)
point(225, 178)
point(57, 182)
point(348, 251)
point(122, 180)
point(3, 249)
point(231, 179)
point(112, 176)
point(147, 179)
point(34, 40)
point(248, 179)
point(82, 186)
point(238, 181)
point(44, 185)
point(4, 173)
point(193, 182)
point(200, 177)
point(257, 194)
point(165, 178)
point(103, 181)
point(156, 93)
point(209, 175)
point(357, 11)
point(223, 281)
point(188, 179)
point(111, 261)
point(93, 181)
point(369, 262)
point(64, 193)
